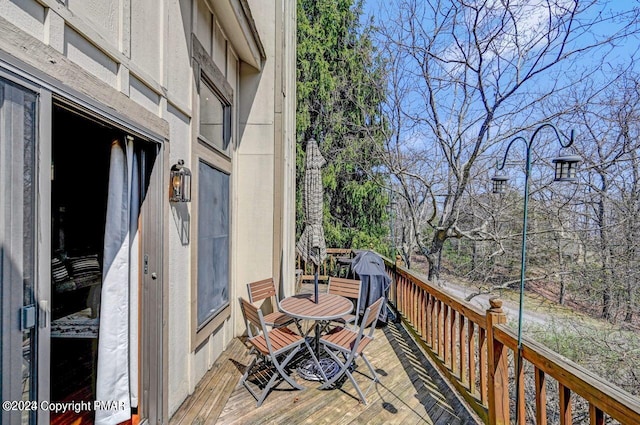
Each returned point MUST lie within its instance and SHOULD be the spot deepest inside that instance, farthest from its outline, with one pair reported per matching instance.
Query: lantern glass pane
(186, 186)
(566, 170)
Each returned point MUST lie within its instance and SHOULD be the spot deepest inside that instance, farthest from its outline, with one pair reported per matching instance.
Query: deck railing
(475, 350)
(306, 270)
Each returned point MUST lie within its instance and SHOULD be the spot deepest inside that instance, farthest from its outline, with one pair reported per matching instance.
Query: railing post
(498, 368)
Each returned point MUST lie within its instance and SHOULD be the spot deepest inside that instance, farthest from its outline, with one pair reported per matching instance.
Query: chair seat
(277, 318)
(348, 318)
(280, 338)
(344, 339)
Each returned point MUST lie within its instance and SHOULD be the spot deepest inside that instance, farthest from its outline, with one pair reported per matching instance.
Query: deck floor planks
(409, 392)
(212, 392)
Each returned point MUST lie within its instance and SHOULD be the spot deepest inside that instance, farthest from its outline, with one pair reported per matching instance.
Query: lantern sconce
(566, 168)
(180, 183)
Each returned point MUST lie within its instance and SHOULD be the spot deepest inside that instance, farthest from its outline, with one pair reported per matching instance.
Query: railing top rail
(468, 310)
(608, 397)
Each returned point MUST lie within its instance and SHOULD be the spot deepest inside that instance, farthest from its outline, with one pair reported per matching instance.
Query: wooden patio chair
(351, 344)
(273, 351)
(260, 291)
(348, 288)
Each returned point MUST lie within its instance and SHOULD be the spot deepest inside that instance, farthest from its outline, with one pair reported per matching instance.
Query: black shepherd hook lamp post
(565, 170)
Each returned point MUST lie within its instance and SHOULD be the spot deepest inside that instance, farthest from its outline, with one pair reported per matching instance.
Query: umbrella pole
(315, 275)
(315, 284)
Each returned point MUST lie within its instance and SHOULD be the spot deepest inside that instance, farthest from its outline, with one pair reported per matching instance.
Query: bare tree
(611, 122)
(462, 69)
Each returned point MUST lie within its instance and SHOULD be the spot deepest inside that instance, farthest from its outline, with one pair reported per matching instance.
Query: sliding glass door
(40, 136)
(23, 307)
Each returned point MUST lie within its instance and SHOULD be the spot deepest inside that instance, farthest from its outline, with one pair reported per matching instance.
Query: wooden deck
(410, 391)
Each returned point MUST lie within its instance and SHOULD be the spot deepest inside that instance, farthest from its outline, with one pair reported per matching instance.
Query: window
(213, 242)
(214, 118)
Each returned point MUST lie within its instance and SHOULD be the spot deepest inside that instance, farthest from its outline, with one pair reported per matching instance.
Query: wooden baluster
(452, 341)
(431, 332)
(596, 416)
(520, 408)
(482, 354)
(463, 349)
(409, 303)
(405, 297)
(437, 324)
(498, 368)
(423, 314)
(441, 328)
(414, 306)
(402, 296)
(541, 398)
(565, 405)
(447, 328)
(409, 307)
(471, 340)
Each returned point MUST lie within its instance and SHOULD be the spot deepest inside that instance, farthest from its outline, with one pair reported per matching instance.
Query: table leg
(317, 337)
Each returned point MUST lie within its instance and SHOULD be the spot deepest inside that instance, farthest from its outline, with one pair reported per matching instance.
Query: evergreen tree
(339, 92)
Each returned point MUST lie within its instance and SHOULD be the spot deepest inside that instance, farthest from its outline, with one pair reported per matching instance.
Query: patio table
(328, 307)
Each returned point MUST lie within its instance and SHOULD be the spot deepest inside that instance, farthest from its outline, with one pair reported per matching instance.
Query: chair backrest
(348, 288)
(261, 290)
(253, 317)
(262, 340)
(369, 319)
(371, 316)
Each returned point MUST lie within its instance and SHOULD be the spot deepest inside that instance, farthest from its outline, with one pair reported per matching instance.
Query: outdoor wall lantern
(565, 167)
(180, 183)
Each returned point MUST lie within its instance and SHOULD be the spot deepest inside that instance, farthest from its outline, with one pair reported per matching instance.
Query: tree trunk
(605, 269)
(630, 301)
(434, 256)
(563, 288)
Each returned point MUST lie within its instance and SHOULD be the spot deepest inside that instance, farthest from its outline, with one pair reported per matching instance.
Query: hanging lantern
(499, 183)
(180, 183)
(566, 168)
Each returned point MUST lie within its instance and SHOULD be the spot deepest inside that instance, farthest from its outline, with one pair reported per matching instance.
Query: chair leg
(279, 373)
(356, 386)
(315, 360)
(297, 323)
(343, 367)
(281, 365)
(371, 369)
(246, 375)
(344, 370)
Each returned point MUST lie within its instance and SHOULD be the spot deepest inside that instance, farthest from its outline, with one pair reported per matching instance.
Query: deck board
(410, 391)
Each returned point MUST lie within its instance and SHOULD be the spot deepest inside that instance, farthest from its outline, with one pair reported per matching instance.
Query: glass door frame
(40, 317)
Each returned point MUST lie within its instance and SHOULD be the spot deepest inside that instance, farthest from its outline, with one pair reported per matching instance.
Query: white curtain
(117, 375)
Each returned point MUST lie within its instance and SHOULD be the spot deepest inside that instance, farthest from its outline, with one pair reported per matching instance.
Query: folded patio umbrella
(311, 246)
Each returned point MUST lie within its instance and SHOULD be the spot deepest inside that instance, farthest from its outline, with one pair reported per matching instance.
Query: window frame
(226, 117)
